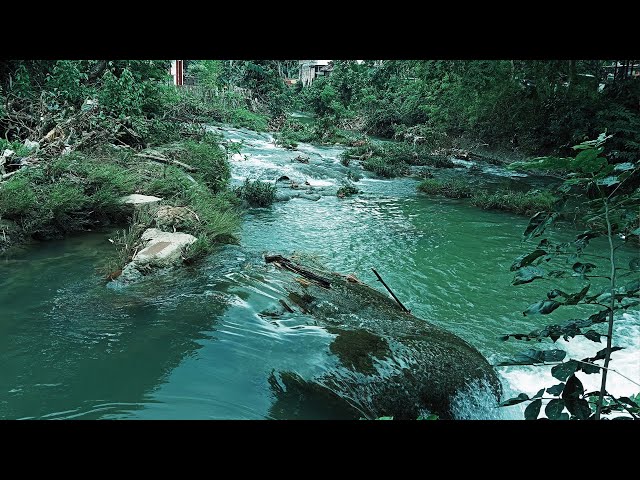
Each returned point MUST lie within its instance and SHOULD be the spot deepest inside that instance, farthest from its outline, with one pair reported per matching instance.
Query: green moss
(357, 349)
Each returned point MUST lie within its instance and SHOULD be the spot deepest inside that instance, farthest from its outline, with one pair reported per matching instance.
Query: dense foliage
(531, 105)
(610, 198)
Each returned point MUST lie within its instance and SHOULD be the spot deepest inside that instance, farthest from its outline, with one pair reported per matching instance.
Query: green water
(191, 343)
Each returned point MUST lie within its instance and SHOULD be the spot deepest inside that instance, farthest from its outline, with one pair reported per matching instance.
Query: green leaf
(628, 401)
(636, 231)
(554, 408)
(384, 418)
(600, 355)
(556, 389)
(579, 408)
(543, 307)
(531, 357)
(526, 259)
(588, 368)
(608, 181)
(527, 274)
(532, 410)
(538, 223)
(623, 167)
(523, 397)
(573, 388)
(564, 370)
(539, 394)
(593, 336)
(583, 268)
(575, 298)
(634, 264)
(632, 287)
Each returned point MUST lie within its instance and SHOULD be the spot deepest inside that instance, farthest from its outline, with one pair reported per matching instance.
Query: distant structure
(177, 72)
(312, 69)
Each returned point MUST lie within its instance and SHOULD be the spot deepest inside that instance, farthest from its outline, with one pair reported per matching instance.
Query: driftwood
(289, 265)
(8, 175)
(390, 291)
(286, 306)
(168, 161)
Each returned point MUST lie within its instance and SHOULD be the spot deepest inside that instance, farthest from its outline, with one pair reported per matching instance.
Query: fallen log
(8, 175)
(289, 265)
(168, 161)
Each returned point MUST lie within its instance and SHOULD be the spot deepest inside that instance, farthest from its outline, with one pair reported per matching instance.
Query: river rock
(160, 249)
(388, 362)
(175, 217)
(137, 199)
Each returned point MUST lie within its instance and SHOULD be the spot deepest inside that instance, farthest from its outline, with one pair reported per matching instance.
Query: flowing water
(195, 343)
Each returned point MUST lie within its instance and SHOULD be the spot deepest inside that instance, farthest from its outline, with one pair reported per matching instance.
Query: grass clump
(17, 198)
(523, 203)
(211, 162)
(449, 188)
(347, 190)
(257, 193)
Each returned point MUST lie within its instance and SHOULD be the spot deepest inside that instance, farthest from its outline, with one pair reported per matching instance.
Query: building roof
(313, 63)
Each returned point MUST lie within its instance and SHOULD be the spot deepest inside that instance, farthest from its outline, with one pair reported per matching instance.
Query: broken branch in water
(289, 265)
(389, 290)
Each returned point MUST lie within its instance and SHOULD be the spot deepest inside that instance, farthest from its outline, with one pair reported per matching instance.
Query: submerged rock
(389, 363)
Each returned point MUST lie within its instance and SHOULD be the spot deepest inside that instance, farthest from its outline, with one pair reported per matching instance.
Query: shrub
(16, 197)
(257, 193)
(211, 162)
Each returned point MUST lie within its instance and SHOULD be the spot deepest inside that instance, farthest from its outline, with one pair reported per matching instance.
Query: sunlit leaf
(623, 167)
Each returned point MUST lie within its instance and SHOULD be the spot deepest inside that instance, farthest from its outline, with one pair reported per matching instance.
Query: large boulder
(388, 362)
(160, 250)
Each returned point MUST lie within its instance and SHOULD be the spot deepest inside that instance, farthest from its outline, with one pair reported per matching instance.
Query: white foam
(529, 379)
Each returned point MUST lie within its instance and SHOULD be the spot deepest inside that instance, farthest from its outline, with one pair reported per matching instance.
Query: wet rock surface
(389, 363)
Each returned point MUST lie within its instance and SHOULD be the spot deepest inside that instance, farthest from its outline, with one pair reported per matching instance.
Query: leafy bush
(257, 193)
(16, 197)
(211, 162)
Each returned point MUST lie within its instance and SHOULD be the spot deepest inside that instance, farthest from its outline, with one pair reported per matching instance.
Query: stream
(194, 343)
